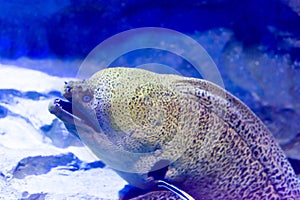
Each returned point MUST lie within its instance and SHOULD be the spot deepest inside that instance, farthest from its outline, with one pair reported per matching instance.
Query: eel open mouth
(72, 118)
(65, 105)
(59, 106)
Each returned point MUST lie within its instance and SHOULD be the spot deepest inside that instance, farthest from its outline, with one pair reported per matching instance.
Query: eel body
(208, 142)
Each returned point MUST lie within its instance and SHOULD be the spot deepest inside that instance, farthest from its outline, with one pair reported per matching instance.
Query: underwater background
(255, 45)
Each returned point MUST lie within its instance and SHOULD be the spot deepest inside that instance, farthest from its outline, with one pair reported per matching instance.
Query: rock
(7, 95)
(129, 192)
(59, 136)
(3, 111)
(36, 196)
(33, 95)
(43, 164)
(2, 175)
(91, 165)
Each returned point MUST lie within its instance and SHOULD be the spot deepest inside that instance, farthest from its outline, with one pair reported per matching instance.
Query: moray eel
(210, 144)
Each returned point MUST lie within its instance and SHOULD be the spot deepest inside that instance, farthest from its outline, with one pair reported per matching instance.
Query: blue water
(69, 28)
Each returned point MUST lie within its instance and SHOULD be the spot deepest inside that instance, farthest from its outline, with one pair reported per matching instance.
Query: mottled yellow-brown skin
(217, 148)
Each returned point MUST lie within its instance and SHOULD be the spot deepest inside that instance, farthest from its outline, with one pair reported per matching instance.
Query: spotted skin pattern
(217, 147)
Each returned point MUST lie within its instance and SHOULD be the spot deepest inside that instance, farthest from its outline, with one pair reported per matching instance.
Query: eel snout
(68, 89)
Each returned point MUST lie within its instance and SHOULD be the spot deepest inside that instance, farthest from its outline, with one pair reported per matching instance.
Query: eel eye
(86, 98)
